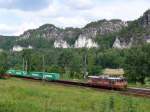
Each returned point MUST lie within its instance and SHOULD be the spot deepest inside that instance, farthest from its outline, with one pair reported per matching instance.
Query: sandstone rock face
(77, 37)
(147, 39)
(47, 31)
(145, 19)
(121, 45)
(85, 42)
(26, 35)
(61, 44)
(102, 27)
(18, 48)
(135, 37)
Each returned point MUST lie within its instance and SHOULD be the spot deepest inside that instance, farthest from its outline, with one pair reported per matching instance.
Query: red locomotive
(108, 82)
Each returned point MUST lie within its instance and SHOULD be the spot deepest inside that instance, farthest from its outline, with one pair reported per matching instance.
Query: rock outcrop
(75, 37)
(18, 48)
(137, 32)
(121, 45)
(145, 19)
(61, 44)
(85, 42)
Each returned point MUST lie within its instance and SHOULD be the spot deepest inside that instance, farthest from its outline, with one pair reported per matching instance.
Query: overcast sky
(16, 16)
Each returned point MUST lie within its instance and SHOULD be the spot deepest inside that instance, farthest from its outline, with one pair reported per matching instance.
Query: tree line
(78, 63)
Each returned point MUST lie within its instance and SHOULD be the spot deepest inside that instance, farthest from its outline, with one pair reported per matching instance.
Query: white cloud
(76, 13)
(24, 27)
(67, 22)
(81, 4)
(26, 5)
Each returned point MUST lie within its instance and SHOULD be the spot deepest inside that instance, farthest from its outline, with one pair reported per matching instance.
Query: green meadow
(18, 95)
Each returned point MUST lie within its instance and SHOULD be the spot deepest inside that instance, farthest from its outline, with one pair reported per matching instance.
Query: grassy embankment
(25, 96)
(138, 85)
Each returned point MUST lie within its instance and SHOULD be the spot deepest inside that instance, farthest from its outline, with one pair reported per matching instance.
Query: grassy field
(25, 96)
(139, 85)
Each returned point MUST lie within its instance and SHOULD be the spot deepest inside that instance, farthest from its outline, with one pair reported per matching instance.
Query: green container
(45, 75)
(20, 73)
(51, 76)
(38, 75)
(17, 72)
(11, 72)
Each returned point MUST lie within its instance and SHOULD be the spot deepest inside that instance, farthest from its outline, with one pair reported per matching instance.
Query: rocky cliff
(114, 33)
(137, 32)
(74, 37)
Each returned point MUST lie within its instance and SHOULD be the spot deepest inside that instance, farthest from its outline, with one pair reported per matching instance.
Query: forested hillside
(7, 42)
(103, 33)
(72, 63)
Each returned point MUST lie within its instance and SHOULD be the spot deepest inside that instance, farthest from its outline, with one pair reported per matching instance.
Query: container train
(118, 83)
(35, 75)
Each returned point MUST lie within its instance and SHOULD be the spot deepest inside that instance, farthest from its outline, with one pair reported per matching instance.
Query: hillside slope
(137, 33)
(72, 37)
(103, 33)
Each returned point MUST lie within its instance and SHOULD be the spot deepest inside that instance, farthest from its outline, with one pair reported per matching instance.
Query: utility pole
(23, 64)
(43, 59)
(85, 61)
(26, 62)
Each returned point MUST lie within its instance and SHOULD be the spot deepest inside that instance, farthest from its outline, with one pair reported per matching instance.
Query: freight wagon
(36, 75)
(17, 72)
(45, 75)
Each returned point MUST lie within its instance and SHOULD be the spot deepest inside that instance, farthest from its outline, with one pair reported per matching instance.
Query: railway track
(139, 92)
(129, 91)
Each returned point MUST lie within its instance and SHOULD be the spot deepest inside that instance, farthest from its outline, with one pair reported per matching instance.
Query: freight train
(118, 83)
(35, 75)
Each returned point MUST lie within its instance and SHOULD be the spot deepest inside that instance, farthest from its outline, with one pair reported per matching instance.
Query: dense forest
(73, 63)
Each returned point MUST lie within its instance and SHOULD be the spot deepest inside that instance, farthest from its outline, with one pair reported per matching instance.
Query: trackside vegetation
(17, 95)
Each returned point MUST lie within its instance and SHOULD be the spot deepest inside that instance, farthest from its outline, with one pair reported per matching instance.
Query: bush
(2, 71)
(55, 69)
(95, 70)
